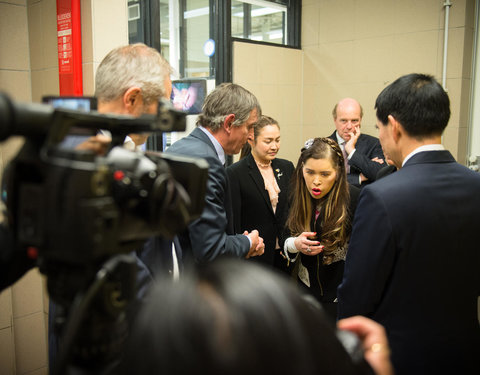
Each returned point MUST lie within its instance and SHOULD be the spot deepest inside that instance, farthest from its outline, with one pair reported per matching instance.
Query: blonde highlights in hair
(333, 219)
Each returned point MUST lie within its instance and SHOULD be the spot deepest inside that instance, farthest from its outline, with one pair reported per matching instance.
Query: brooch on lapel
(279, 174)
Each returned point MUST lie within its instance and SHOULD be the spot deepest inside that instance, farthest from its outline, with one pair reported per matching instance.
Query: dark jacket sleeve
(207, 237)
(235, 193)
(208, 234)
(361, 160)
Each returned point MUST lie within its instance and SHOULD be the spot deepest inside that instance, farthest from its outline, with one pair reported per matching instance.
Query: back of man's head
(418, 102)
(135, 65)
(226, 99)
(233, 317)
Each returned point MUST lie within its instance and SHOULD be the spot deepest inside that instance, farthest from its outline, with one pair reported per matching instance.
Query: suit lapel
(257, 178)
(282, 182)
(199, 134)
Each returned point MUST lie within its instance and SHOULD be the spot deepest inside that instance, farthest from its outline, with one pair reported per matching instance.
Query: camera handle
(115, 299)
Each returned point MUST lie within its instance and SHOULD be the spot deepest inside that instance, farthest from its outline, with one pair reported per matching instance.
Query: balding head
(347, 114)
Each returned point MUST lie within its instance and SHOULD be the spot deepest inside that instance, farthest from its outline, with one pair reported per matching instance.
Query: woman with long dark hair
(319, 220)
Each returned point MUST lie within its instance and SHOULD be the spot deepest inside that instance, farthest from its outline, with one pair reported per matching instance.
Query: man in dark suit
(362, 153)
(228, 116)
(413, 261)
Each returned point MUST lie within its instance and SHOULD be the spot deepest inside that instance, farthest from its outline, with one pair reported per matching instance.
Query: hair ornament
(308, 143)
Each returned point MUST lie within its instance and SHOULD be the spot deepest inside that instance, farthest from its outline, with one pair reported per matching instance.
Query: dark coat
(414, 264)
(211, 235)
(366, 149)
(252, 208)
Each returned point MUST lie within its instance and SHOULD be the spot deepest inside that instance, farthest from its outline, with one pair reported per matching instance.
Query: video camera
(76, 214)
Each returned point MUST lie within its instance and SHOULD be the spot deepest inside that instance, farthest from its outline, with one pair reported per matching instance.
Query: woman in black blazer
(259, 185)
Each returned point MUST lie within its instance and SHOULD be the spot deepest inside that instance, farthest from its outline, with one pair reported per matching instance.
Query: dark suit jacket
(154, 260)
(366, 149)
(386, 171)
(414, 264)
(251, 203)
(212, 234)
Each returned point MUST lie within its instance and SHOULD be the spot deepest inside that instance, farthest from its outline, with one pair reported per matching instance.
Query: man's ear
(132, 99)
(397, 129)
(228, 122)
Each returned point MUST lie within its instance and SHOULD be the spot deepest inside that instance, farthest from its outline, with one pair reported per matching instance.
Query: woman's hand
(307, 246)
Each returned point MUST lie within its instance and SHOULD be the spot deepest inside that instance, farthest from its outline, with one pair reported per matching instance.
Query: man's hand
(352, 142)
(98, 144)
(374, 342)
(258, 247)
(378, 160)
(363, 178)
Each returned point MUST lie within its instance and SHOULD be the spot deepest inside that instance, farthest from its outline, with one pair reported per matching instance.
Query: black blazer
(366, 149)
(212, 234)
(251, 203)
(414, 264)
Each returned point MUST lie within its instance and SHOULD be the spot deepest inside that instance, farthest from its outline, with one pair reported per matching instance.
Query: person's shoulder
(398, 184)
(237, 170)
(284, 163)
(467, 173)
(333, 136)
(369, 138)
(192, 146)
(240, 164)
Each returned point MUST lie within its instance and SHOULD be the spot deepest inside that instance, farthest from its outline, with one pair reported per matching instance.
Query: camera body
(80, 216)
(77, 207)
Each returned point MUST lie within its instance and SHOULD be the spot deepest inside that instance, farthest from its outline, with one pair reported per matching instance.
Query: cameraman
(130, 80)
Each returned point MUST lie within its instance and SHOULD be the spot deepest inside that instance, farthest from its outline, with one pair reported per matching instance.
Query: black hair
(418, 102)
(233, 317)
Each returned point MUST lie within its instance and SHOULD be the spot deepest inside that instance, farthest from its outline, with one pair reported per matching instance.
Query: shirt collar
(218, 147)
(340, 140)
(433, 147)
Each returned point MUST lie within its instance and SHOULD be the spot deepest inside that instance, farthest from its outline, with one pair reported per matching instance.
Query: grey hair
(135, 65)
(228, 98)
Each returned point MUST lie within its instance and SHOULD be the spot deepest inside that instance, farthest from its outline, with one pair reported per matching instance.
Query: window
(196, 31)
(180, 28)
(262, 21)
